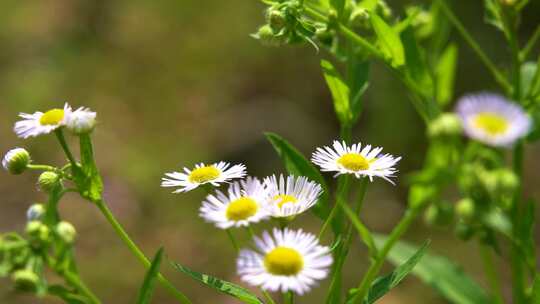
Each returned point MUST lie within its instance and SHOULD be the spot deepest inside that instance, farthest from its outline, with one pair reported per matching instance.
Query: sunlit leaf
(225, 287)
(389, 41)
(339, 90)
(445, 74)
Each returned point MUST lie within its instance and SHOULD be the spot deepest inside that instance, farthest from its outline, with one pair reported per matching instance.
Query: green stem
(65, 147)
(395, 235)
(289, 297)
(42, 167)
(491, 272)
(503, 82)
(530, 44)
(233, 240)
(74, 281)
(137, 252)
(518, 282)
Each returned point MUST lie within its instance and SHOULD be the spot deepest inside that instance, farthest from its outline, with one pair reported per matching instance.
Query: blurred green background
(176, 82)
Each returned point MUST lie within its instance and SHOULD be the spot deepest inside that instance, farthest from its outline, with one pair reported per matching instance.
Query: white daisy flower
(292, 197)
(242, 205)
(203, 174)
(492, 119)
(287, 261)
(356, 160)
(81, 121)
(39, 123)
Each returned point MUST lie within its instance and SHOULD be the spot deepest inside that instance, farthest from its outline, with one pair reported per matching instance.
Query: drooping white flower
(39, 123)
(288, 260)
(203, 174)
(16, 160)
(292, 196)
(492, 119)
(81, 121)
(366, 161)
(241, 206)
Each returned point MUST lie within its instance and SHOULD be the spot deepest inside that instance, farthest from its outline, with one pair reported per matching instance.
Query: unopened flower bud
(16, 160)
(35, 212)
(447, 124)
(439, 214)
(465, 208)
(276, 19)
(508, 2)
(66, 232)
(507, 181)
(384, 10)
(266, 35)
(48, 181)
(81, 121)
(360, 18)
(37, 232)
(25, 280)
(324, 36)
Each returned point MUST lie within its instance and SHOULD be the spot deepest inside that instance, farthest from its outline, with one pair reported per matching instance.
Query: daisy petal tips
(287, 260)
(39, 123)
(214, 174)
(366, 161)
(291, 196)
(241, 206)
(492, 119)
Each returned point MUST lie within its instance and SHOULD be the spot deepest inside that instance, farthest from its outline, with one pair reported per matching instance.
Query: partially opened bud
(81, 121)
(276, 19)
(48, 181)
(66, 232)
(25, 280)
(35, 212)
(16, 160)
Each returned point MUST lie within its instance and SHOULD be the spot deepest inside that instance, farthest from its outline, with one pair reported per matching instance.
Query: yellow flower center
(283, 199)
(52, 117)
(241, 209)
(283, 261)
(354, 162)
(204, 174)
(492, 123)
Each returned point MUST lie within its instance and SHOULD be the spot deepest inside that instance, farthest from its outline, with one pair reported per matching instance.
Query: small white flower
(39, 123)
(81, 121)
(493, 120)
(287, 261)
(356, 160)
(203, 174)
(291, 197)
(242, 206)
(16, 160)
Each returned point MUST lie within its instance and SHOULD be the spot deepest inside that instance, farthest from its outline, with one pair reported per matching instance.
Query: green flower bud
(384, 10)
(420, 195)
(360, 18)
(48, 181)
(66, 232)
(324, 35)
(37, 232)
(465, 208)
(464, 231)
(439, 214)
(267, 36)
(25, 280)
(35, 212)
(16, 160)
(507, 181)
(276, 19)
(508, 2)
(447, 124)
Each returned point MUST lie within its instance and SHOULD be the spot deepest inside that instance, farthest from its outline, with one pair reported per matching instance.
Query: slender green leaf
(493, 14)
(297, 164)
(149, 283)
(384, 284)
(87, 177)
(67, 295)
(225, 287)
(389, 41)
(359, 82)
(340, 92)
(441, 273)
(417, 68)
(445, 74)
(339, 6)
(528, 72)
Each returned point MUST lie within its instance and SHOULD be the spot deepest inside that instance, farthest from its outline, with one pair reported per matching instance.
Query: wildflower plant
(470, 144)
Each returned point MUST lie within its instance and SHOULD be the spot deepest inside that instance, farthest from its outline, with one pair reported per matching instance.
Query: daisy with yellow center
(241, 206)
(493, 120)
(291, 196)
(287, 260)
(356, 160)
(214, 174)
(39, 123)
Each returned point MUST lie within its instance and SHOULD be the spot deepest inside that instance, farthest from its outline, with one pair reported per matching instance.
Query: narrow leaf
(441, 273)
(67, 295)
(297, 164)
(340, 92)
(149, 283)
(389, 41)
(384, 284)
(445, 74)
(225, 287)
(339, 6)
(417, 68)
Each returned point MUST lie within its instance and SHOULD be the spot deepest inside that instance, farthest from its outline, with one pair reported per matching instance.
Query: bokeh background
(176, 82)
